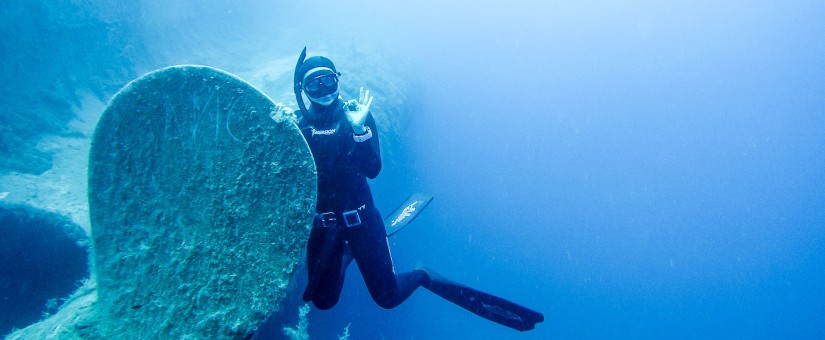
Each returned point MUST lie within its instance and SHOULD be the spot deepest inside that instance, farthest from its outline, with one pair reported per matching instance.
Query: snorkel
(297, 82)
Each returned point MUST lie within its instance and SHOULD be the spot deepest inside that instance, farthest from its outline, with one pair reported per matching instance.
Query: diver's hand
(356, 111)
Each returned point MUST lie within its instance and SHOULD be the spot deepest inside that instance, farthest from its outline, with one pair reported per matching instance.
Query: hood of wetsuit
(320, 80)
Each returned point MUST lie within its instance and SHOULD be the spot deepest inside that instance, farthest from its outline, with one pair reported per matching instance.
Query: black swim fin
(406, 212)
(487, 306)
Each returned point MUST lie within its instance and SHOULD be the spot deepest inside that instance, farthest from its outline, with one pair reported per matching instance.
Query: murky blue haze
(647, 169)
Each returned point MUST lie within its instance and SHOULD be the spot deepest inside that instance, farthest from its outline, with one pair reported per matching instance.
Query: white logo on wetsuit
(404, 214)
(323, 132)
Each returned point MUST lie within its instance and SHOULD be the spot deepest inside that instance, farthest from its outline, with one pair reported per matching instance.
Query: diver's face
(325, 100)
(322, 89)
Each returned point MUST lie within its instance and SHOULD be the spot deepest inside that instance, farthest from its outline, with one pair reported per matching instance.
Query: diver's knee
(386, 302)
(324, 304)
(321, 306)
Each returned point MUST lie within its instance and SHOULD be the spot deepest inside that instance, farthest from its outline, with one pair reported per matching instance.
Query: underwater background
(644, 169)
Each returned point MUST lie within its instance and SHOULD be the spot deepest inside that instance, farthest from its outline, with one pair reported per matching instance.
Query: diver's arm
(367, 153)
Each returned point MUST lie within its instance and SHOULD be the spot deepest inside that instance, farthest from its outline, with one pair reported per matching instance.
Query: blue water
(640, 170)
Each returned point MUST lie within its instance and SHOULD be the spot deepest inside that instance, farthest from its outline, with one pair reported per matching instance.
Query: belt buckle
(327, 219)
(351, 218)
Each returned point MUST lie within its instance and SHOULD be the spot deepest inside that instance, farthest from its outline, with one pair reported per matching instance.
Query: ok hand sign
(356, 111)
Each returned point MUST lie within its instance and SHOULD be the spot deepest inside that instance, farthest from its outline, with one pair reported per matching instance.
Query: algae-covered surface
(200, 205)
(200, 198)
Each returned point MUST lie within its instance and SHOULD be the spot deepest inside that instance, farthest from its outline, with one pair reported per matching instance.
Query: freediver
(343, 138)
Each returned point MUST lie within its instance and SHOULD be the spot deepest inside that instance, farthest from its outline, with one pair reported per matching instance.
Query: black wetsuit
(343, 168)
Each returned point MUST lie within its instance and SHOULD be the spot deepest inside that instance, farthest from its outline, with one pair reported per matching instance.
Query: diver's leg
(368, 243)
(324, 259)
